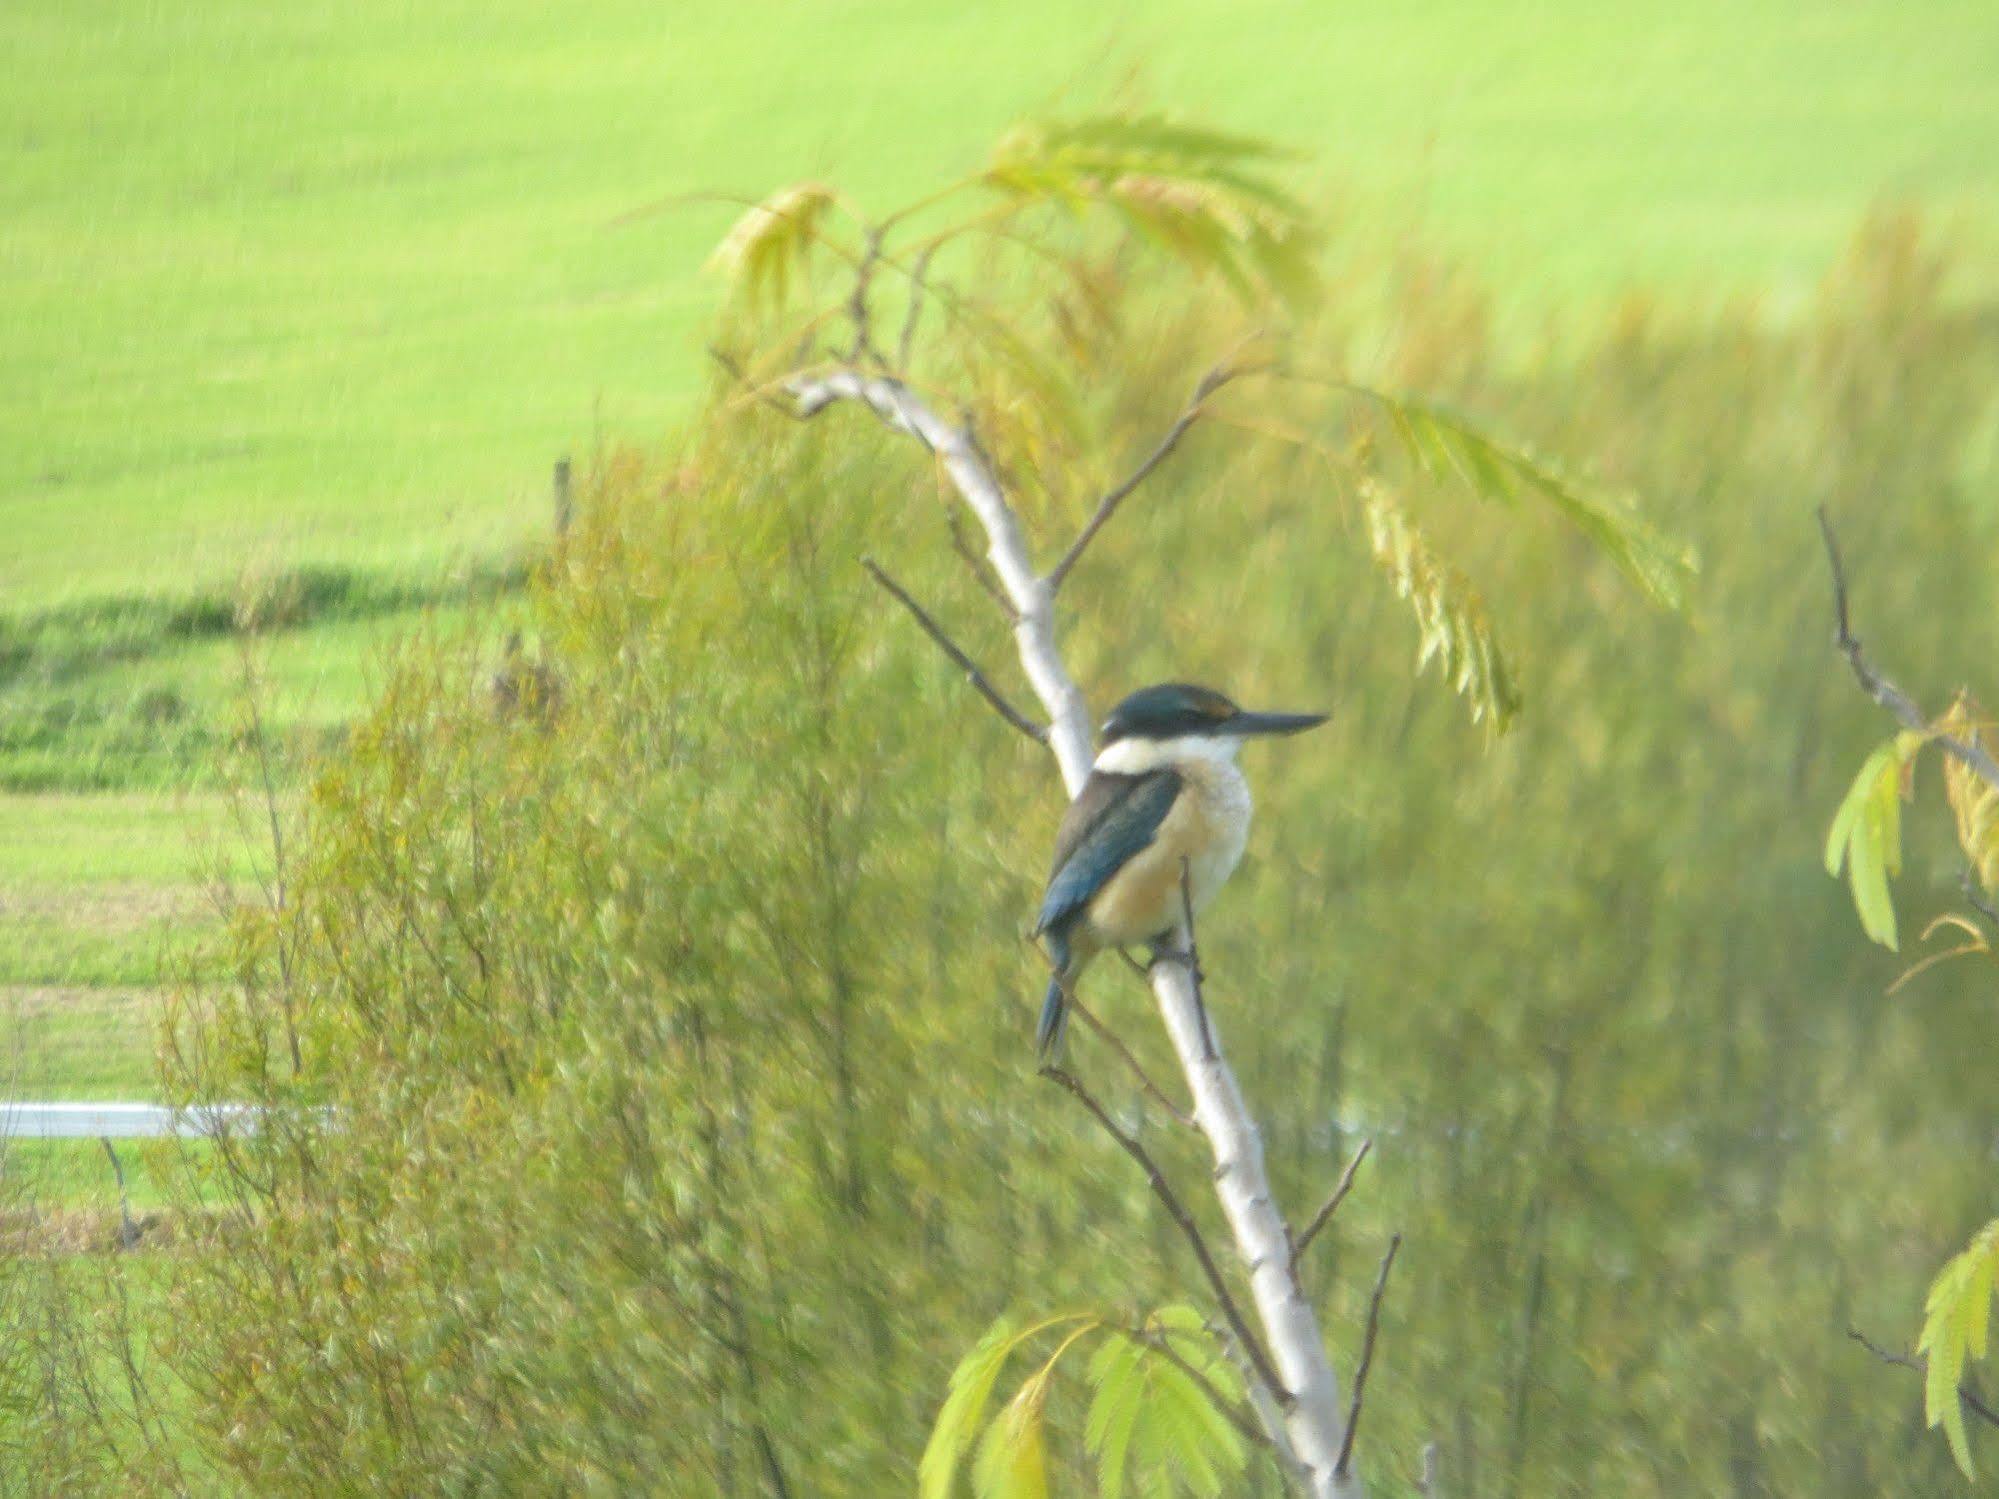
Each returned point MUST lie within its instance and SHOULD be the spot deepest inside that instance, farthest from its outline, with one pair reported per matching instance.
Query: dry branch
(1116, 1043)
(959, 659)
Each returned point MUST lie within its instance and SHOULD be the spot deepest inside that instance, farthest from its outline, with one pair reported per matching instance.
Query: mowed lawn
(337, 281)
(332, 285)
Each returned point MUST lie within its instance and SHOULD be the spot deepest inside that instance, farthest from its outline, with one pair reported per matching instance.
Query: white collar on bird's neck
(1137, 757)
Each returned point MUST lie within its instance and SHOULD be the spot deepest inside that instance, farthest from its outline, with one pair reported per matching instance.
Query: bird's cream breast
(1206, 828)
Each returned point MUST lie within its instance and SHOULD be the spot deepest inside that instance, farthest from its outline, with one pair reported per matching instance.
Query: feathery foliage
(1153, 1423)
(771, 245)
(1449, 444)
(1451, 621)
(1202, 196)
(1956, 1317)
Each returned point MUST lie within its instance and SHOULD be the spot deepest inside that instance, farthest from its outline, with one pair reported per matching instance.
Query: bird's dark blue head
(1181, 710)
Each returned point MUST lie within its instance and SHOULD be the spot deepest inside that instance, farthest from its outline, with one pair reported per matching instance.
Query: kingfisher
(1163, 802)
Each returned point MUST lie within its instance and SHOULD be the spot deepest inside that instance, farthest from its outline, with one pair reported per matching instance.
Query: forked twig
(963, 662)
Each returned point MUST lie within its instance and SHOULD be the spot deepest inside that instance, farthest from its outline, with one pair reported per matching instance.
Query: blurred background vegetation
(680, 1025)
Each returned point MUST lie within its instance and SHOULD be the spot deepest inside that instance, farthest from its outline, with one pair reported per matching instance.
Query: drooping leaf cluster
(1165, 1413)
(1955, 1321)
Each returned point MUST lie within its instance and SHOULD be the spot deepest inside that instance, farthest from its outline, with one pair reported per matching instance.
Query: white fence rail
(113, 1121)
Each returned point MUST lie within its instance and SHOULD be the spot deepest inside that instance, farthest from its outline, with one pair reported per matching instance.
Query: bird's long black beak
(1275, 723)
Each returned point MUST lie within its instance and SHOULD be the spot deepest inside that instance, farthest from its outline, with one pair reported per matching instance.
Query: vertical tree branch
(1304, 1383)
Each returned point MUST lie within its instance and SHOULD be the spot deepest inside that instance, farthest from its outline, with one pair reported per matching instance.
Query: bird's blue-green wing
(1111, 819)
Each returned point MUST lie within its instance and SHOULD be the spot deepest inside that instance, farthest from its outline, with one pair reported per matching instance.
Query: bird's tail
(1054, 1020)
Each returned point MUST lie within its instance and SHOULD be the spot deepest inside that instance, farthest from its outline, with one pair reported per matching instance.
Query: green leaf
(1956, 1320)
(1866, 836)
(1120, 1386)
(1443, 442)
(964, 1408)
(1200, 1439)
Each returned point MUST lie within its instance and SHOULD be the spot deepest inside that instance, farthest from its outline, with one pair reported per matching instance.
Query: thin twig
(857, 300)
(1211, 382)
(1366, 1356)
(959, 659)
(764, 395)
(1260, 1400)
(1116, 1044)
(1194, 957)
(918, 269)
(1321, 1218)
(1902, 1361)
(1163, 1189)
(1883, 691)
(980, 567)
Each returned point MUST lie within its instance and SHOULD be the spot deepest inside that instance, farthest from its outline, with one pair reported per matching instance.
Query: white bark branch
(1313, 1422)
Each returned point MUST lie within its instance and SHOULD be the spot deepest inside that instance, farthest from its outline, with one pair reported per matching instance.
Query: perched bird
(1164, 794)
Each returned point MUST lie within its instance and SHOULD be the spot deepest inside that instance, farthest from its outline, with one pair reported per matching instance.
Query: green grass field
(337, 282)
(330, 286)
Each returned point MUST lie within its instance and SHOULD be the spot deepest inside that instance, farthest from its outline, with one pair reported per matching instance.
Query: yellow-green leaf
(1444, 442)
(1866, 836)
(1956, 1320)
(964, 1408)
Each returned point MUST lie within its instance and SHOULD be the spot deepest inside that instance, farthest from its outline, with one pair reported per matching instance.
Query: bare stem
(1366, 1354)
(919, 268)
(1331, 1205)
(963, 662)
(1194, 955)
(1118, 493)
